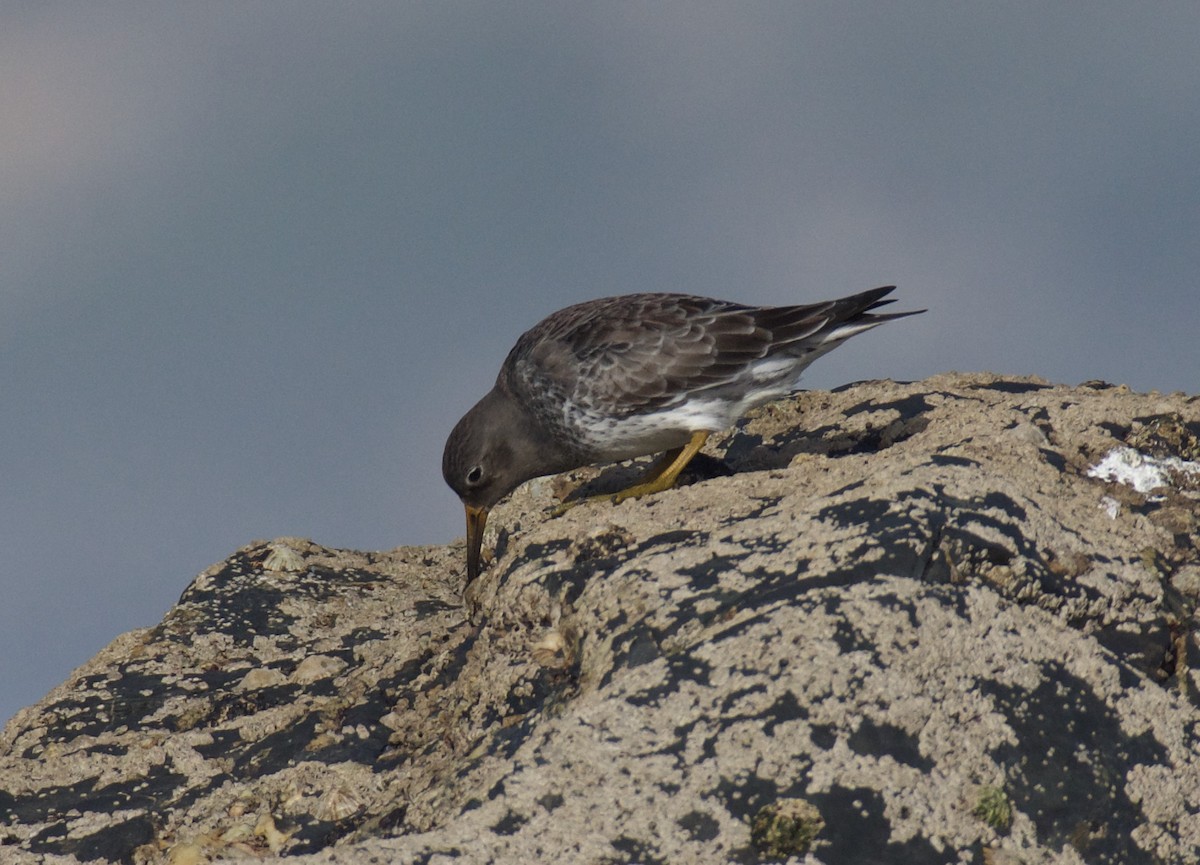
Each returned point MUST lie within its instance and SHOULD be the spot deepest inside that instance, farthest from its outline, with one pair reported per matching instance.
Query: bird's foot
(633, 492)
(562, 507)
(661, 476)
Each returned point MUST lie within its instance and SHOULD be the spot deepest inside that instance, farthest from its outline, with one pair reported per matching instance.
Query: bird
(620, 377)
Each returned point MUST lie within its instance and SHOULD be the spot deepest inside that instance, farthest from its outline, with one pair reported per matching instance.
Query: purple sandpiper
(621, 377)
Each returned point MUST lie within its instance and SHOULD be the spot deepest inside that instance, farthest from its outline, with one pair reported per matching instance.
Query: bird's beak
(476, 520)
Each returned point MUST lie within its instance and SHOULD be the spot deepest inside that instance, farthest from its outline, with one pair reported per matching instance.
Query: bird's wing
(640, 352)
(643, 352)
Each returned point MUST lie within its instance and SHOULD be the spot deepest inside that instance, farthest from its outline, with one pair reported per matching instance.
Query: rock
(907, 626)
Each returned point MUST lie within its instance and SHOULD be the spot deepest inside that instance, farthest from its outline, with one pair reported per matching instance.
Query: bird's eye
(474, 475)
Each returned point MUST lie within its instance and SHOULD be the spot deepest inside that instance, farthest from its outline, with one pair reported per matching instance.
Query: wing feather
(639, 353)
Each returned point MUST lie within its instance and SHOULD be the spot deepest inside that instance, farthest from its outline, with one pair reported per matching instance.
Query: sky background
(257, 259)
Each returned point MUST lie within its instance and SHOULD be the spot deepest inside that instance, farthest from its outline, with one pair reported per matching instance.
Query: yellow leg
(665, 471)
(661, 475)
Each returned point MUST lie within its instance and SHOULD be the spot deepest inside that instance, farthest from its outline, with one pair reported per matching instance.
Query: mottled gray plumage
(620, 377)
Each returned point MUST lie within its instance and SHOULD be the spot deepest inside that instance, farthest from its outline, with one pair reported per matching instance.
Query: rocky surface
(908, 623)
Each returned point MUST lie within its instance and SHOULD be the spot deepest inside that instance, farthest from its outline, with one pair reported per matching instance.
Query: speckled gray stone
(903, 598)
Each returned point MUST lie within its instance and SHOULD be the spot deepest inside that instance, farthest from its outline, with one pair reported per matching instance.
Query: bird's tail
(821, 327)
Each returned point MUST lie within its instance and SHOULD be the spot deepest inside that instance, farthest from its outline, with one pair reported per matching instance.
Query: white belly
(624, 438)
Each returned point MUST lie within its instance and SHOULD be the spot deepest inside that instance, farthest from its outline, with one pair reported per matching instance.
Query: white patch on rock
(1144, 473)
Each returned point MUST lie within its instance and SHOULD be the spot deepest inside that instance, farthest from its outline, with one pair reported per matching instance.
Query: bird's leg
(665, 470)
(661, 475)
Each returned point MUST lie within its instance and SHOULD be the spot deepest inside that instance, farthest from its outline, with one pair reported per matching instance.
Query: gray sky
(256, 259)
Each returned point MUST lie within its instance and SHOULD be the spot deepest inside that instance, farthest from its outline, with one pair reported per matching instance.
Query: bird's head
(488, 455)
